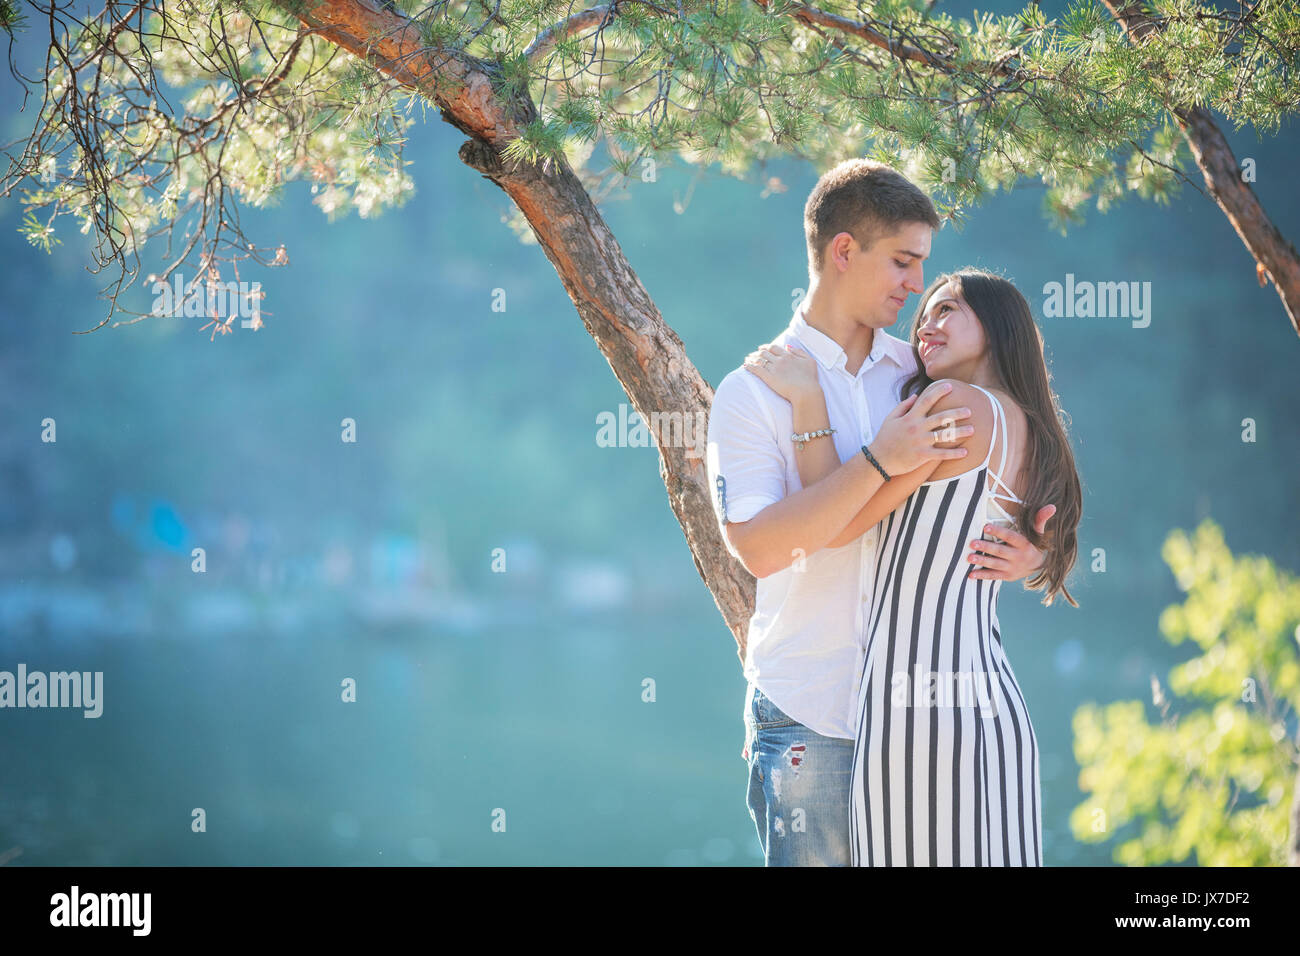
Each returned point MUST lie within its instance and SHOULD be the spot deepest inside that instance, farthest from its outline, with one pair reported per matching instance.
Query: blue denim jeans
(798, 787)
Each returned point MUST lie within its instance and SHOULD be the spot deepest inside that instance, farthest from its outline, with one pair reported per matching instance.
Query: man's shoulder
(742, 379)
(738, 388)
(741, 386)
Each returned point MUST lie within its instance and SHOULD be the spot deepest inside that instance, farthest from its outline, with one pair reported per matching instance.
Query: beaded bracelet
(872, 458)
(801, 440)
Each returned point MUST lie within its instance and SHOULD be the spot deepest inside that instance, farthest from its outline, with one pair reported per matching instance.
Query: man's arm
(973, 436)
(801, 523)
(897, 491)
(805, 521)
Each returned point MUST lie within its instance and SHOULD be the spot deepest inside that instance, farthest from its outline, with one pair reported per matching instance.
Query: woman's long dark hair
(1017, 350)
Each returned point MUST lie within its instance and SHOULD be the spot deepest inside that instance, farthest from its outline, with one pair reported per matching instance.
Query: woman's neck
(984, 375)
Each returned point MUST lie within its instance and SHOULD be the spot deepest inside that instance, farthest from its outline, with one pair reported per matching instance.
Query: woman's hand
(790, 372)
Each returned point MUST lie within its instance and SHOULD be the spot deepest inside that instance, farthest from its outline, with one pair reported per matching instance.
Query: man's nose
(915, 282)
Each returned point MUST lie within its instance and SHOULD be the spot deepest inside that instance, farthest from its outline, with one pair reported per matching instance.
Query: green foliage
(39, 234)
(11, 17)
(539, 141)
(981, 104)
(253, 115)
(440, 32)
(1213, 781)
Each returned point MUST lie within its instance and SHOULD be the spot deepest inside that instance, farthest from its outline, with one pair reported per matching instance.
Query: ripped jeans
(798, 787)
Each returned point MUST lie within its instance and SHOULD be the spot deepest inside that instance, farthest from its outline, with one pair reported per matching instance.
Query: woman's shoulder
(976, 397)
(1014, 413)
(965, 395)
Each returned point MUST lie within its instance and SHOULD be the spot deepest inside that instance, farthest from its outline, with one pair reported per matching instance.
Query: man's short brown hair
(866, 199)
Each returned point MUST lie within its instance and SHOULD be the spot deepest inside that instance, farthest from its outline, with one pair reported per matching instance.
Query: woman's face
(951, 339)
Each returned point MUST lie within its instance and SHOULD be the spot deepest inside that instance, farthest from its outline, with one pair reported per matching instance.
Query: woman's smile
(928, 349)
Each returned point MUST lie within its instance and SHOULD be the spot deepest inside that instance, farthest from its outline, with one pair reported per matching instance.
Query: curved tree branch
(1274, 255)
(546, 40)
(896, 48)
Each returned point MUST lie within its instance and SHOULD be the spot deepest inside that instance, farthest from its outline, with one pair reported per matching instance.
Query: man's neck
(824, 315)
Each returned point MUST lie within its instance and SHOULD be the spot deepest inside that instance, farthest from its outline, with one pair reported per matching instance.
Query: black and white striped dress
(945, 769)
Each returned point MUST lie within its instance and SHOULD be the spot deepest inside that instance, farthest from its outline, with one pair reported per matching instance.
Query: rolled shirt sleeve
(746, 467)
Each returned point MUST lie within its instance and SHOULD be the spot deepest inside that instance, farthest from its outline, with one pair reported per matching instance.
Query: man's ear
(844, 239)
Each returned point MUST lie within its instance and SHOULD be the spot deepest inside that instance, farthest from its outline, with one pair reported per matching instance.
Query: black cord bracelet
(871, 458)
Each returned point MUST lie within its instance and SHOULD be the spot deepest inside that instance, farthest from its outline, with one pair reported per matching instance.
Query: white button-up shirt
(806, 640)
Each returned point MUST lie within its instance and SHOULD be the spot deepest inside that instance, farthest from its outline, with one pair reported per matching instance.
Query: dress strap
(1000, 420)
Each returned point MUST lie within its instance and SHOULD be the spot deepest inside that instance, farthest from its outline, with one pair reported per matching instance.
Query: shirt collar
(829, 353)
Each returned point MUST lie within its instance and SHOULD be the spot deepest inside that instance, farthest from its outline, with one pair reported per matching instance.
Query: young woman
(945, 769)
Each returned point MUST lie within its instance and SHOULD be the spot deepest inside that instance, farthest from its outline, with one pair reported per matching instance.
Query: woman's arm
(817, 458)
(806, 519)
(958, 403)
(792, 374)
(890, 495)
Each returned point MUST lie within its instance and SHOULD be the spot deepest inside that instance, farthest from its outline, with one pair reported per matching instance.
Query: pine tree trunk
(645, 354)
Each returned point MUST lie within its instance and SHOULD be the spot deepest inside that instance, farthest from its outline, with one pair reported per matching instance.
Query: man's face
(883, 275)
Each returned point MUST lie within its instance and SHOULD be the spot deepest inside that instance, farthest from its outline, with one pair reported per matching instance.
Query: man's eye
(901, 265)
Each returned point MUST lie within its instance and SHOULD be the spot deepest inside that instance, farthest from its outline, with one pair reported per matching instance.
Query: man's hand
(1010, 561)
(909, 437)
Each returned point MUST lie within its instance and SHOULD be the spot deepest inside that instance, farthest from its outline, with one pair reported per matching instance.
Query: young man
(868, 230)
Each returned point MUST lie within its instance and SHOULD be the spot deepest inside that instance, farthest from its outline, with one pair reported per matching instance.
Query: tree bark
(1274, 255)
(645, 354)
